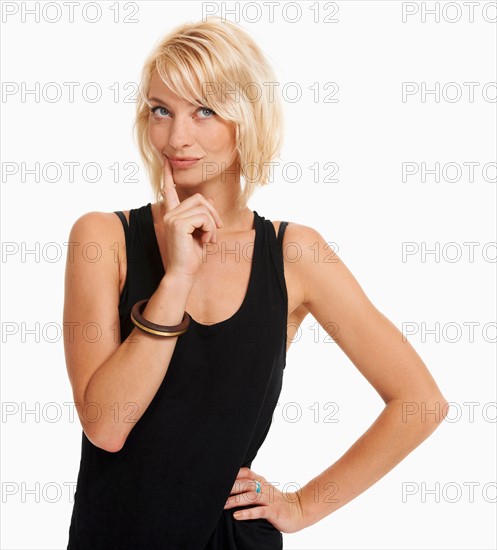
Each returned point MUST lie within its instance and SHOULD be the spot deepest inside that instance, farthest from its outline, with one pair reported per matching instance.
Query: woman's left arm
(414, 405)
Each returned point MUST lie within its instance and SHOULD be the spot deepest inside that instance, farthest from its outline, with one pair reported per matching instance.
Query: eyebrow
(156, 99)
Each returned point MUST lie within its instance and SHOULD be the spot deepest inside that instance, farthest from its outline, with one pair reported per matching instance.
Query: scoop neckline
(256, 227)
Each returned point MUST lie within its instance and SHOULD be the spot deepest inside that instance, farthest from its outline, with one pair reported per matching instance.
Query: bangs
(180, 77)
(193, 73)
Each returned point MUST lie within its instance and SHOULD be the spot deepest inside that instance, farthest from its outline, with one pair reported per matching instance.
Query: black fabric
(166, 488)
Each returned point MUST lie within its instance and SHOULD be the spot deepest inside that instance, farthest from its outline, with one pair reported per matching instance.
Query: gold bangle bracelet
(153, 328)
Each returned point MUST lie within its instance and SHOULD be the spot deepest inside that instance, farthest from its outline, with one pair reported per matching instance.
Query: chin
(187, 178)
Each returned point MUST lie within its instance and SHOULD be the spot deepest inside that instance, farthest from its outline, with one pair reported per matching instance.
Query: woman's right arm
(113, 383)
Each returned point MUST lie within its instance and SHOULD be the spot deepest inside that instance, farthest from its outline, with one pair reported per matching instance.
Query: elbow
(112, 443)
(427, 411)
(112, 446)
(433, 411)
(101, 433)
(436, 411)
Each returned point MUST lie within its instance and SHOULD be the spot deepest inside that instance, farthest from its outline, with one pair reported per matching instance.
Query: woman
(191, 300)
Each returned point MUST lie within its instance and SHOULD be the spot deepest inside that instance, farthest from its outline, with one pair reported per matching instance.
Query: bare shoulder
(99, 235)
(94, 218)
(320, 268)
(301, 245)
(102, 227)
(298, 233)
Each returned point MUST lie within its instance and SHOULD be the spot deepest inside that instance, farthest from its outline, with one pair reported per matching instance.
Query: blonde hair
(218, 63)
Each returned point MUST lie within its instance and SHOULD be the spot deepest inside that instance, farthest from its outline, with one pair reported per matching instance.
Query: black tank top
(166, 488)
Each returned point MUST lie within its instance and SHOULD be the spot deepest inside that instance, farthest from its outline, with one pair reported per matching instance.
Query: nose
(181, 132)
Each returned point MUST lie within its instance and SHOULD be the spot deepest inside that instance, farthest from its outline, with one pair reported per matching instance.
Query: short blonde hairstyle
(216, 64)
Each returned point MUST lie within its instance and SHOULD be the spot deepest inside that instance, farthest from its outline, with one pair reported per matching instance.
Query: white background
(368, 213)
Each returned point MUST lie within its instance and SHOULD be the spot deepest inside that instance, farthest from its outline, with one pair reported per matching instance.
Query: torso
(211, 302)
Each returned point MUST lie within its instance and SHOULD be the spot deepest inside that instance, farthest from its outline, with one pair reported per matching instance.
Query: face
(178, 129)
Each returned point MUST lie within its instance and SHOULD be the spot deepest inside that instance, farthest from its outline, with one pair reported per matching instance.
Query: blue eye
(154, 109)
(210, 111)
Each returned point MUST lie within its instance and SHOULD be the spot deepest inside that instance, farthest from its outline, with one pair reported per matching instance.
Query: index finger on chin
(168, 188)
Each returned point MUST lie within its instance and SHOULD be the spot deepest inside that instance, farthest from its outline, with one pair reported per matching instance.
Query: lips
(184, 158)
(183, 162)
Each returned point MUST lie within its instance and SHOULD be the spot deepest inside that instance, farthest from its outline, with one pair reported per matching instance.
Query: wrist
(180, 283)
(310, 511)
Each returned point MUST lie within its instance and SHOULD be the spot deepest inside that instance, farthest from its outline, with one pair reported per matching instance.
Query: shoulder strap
(281, 231)
(123, 219)
(278, 258)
